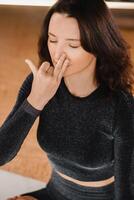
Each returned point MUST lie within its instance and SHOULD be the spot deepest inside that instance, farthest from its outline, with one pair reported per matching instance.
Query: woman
(82, 92)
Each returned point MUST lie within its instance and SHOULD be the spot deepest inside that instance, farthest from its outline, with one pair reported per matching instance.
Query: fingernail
(67, 63)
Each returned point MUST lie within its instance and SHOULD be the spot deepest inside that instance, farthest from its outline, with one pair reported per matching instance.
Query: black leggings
(59, 188)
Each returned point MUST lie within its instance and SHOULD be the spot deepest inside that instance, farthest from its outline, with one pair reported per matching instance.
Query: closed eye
(69, 45)
(74, 46)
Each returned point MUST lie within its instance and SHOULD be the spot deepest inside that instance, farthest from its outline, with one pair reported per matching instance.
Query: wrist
(36, 103)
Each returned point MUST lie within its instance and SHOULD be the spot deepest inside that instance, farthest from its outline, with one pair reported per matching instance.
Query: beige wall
(19, 31)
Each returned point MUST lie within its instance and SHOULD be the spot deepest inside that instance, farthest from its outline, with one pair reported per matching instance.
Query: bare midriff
(91, 183)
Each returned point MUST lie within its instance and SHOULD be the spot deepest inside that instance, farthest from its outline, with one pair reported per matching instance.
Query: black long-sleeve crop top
(87, 138)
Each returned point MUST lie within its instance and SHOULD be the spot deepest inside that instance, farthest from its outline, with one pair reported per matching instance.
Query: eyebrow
(70, 39)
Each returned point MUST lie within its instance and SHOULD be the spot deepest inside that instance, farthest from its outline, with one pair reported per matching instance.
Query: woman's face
(64, 37)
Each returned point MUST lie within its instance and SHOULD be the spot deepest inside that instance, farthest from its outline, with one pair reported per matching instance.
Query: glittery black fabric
(87, 138)
(59, 188)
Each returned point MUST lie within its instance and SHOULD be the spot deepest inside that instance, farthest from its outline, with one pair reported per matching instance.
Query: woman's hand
(46, 81)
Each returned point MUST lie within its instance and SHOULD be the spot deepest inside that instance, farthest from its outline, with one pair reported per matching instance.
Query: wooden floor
(19, 31)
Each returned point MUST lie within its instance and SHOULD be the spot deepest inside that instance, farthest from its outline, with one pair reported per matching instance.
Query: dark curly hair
(100, 36)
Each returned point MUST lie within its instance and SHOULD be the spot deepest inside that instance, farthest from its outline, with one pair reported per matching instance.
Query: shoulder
(26, 85)
(28, 79)
(125, 99)
(124, 115)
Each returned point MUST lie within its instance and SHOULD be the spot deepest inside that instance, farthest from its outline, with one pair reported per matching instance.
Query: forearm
(14, 131)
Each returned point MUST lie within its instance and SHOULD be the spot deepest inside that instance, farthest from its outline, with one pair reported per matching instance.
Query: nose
(59, 51)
